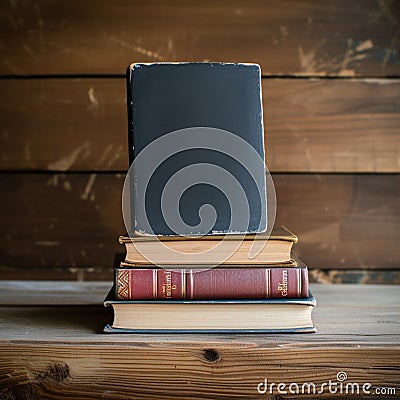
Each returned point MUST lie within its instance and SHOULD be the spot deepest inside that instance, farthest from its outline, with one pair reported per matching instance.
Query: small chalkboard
(196, 132)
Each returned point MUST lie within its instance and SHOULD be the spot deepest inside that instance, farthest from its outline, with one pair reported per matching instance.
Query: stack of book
(197, 178)
(265, 293)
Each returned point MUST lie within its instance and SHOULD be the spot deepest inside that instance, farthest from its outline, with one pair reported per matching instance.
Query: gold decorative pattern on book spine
(123, 287)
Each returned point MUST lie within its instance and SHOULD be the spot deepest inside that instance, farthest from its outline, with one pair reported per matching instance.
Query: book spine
(229, 283)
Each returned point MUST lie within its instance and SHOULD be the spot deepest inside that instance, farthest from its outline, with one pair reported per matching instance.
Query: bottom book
(211, 316)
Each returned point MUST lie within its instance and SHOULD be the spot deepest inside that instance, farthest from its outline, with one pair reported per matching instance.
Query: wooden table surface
(51, 346)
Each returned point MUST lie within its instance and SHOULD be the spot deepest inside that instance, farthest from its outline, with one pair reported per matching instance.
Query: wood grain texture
(359, 276)
(62, 354)
(79, 274)
(332, 125)
(74, 220)
(310, 125)
(69, 292)
(285, 37)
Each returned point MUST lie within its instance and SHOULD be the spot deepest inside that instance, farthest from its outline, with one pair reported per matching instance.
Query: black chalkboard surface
(196, 141)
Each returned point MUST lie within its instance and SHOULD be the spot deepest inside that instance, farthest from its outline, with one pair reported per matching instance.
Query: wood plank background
(333, 37)
(331, 93)
(311, 125)
(345, 221)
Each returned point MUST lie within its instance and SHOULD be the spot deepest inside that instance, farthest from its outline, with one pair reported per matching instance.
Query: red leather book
(216, 283)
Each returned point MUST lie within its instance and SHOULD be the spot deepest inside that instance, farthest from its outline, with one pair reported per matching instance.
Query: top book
(197, 147)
